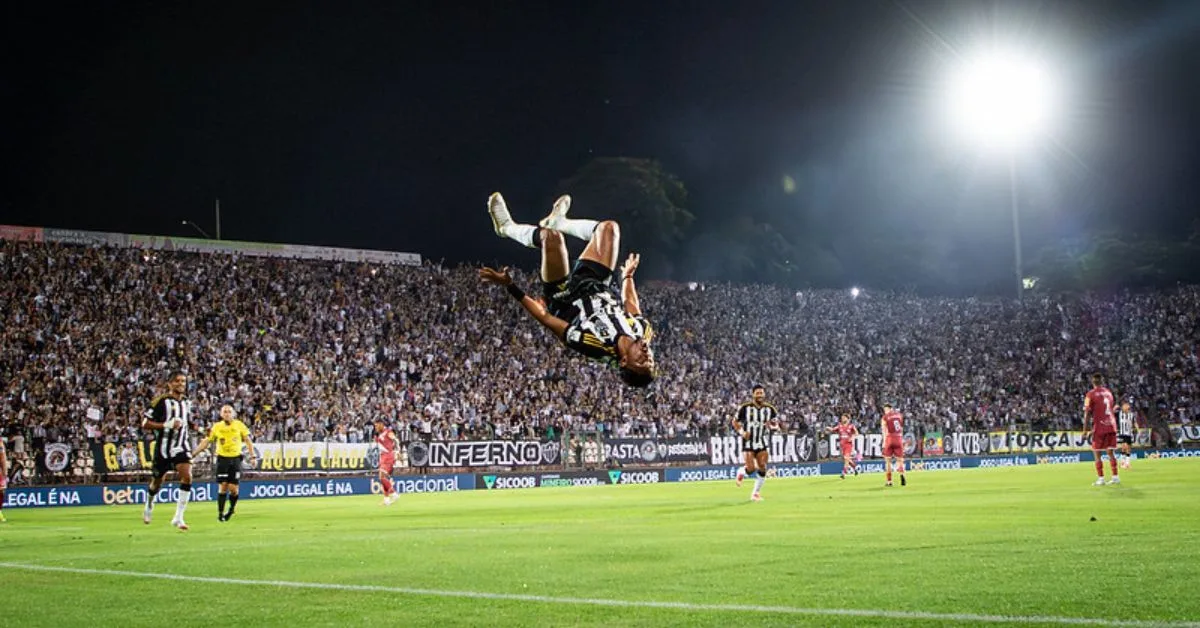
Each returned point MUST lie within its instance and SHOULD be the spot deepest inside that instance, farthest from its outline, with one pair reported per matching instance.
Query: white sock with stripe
(758, 482)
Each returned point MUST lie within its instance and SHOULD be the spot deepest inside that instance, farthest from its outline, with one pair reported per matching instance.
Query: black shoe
(843, 476)
(903, 482)
(229, 515)
(220, 516)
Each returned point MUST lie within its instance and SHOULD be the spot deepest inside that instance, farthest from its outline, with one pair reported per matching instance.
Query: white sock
(581, 228)
(181, 505)
(758, 482)
(520, 232)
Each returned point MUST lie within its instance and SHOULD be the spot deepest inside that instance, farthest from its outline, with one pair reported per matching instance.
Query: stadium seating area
(312, 350)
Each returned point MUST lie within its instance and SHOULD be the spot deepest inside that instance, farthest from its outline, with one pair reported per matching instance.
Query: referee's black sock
(232, 501)
(221, 504)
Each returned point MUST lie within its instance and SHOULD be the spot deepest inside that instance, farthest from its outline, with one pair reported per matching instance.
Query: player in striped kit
(1126, 429)
(170, 417)
(755, 421)
(578, 304)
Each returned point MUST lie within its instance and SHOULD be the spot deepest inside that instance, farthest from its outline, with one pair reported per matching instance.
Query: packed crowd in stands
(316, 350)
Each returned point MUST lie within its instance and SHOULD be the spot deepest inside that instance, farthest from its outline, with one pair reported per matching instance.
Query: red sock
(387, 486)
(1099, 466)
(1112, 462)
(889, 476)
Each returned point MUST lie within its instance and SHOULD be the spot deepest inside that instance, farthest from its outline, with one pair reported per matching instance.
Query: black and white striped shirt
(171, 442)
(758, 421)
(1126, 422)
(601, 320)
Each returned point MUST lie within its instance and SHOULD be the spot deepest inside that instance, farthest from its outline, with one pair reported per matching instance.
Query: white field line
(681, 606)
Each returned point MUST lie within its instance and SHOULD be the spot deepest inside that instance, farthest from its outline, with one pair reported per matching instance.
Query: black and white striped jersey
(1126, 423)
(757, 420)
(601, 320)
(171, 442)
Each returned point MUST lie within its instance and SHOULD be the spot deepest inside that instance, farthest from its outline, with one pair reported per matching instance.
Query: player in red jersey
(3, 476)
(387, 441)
(892, 427)
(1098, 407)
(846, 433)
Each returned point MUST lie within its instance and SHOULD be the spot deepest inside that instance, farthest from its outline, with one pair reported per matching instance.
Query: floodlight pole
(1012, 187)
(218, 212)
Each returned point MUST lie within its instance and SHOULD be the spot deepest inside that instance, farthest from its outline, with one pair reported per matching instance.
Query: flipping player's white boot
(557, 213)
(498, 209)
(1098, 482)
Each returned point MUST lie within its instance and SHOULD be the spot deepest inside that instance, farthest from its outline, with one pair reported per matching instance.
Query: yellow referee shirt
(229, 437)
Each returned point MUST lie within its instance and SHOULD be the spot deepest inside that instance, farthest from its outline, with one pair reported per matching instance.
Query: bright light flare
(854, 292)
(1001, 99)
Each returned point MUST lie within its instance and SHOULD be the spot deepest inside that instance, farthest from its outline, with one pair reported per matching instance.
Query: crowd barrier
(124, 494)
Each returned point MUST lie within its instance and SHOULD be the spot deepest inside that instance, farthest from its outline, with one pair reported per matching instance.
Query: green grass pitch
(1014, 545)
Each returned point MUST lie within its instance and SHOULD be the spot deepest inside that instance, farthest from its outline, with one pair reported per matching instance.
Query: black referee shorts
(1125, 439)
(229, 469)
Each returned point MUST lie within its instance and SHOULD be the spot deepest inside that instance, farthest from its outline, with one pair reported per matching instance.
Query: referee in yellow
(230, 434)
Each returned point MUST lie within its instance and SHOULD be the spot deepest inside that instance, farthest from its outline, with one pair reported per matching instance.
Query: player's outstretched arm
(628, 291)
(535, 308)
(201, 447)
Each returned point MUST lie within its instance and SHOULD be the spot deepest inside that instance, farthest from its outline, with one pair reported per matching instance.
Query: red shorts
(386, 464)
(1107, 440)
(893, 447)
(847, 449)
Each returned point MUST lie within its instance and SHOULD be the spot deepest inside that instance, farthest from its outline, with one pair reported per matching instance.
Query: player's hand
(630, 265)
(498, 277)
(745, 435)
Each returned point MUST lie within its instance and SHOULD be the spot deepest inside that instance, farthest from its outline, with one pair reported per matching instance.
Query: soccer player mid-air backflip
(579, 306)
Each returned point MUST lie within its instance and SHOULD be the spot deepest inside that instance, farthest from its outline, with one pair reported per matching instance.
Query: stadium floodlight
(1001, 99)
(854, 292)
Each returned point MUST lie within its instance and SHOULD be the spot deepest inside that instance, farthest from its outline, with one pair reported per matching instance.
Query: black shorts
(753, 450)
(586, 279)
(229, 469)
(162, 466)
(1125, 439)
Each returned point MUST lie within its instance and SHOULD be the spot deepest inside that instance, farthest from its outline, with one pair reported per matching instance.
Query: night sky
(386, 125)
